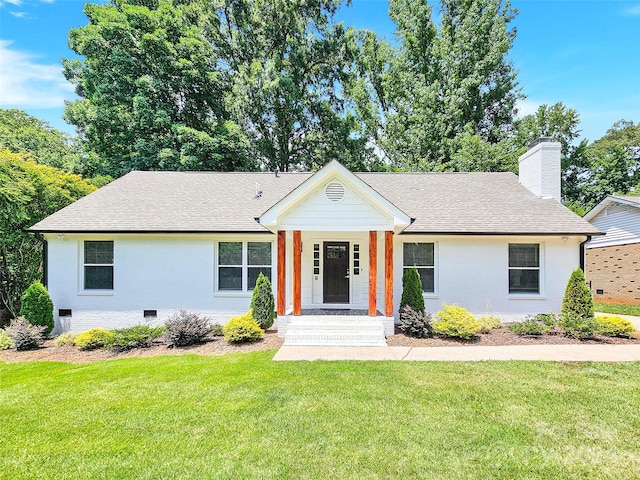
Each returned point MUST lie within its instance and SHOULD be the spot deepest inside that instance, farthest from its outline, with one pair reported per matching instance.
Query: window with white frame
(98, 265)
(422, 257)
(524, 268)
(240, 264)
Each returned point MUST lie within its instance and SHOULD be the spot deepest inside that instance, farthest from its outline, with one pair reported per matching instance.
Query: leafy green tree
(577, 302)
(411, 291)
(23, 133)
(262, 302)
(37, 307)
(28, 193)
(151, 93)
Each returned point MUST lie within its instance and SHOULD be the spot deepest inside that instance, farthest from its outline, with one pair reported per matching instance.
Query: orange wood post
(282, 284)
(373, 272)
(388, 273)
(297, 272)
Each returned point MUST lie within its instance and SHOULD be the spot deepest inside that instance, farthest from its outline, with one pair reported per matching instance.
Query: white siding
(473, 272)
(318, 213)
(151, 272)
(621, 225)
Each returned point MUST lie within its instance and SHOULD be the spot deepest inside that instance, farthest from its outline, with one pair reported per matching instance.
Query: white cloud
(19, 14)
(527, 107)
(635, 10)
(47, 1)
(17, 3)
(24, 83)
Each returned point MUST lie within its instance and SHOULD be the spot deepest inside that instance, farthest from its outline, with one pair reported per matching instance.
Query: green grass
(243, 416)
(617, 309)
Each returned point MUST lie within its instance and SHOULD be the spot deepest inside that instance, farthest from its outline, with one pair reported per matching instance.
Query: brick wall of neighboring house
(615, 271)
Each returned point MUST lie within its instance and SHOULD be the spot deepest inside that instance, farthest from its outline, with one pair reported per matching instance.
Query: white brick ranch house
(151, 243)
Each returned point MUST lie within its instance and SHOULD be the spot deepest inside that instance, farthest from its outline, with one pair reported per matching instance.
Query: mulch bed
(499, 337)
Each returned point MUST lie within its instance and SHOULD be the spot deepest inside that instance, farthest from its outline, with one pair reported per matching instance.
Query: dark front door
(336, 272)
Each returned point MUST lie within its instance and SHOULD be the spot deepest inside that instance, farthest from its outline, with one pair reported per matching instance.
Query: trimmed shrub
(488, 323)
(140, 336)
(24, 335)
(216, 330)
(531, 325)
(455, 321)
(412, 291)
(415, 324)
(580, 328)
(94, 338)
(549, 319)
(185, 328)
(66, 340)
(5, 341)
(37, 306)
(262, 303)
(242, 329)
(577, 301)
(612, 326)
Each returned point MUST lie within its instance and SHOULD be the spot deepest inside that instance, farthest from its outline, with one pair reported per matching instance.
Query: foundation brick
(614, 270)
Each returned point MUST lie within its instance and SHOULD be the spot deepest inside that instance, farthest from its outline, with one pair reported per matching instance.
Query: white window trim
(435, 293)
(245, 291)
(540, 295)
(105, 292)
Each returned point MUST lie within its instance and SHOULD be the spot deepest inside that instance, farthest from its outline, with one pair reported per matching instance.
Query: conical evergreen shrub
(37, 306)
(412, 291)
(577, 301)
(262, 302)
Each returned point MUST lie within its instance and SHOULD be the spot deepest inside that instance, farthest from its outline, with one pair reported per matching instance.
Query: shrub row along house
(332, 242)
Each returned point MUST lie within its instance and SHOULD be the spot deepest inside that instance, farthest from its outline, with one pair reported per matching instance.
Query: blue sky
(584, 53)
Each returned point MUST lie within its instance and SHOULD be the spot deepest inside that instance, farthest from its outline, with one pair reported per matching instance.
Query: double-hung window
(98, 265)
(422, 257)
(524, 268)
(240, 264)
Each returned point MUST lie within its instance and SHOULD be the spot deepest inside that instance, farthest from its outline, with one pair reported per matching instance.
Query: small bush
(577, 327)
(37, 307)
(531, 325)
(5, 341)
(140, 336)
(242, 329)
(549, 319)
(216, 330)
(611, 326)
(94, 338)
(66, 340)
(488, 323)
(455, 321)
(262, 303)
(577, 301)
(415, 324)
(185, 328)
(24, 335)
(412, 291)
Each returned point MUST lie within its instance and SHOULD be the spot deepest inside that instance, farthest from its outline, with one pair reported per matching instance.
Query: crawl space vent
(334, 191)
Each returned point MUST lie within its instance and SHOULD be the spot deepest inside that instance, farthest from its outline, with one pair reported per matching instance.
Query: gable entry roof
(217, 202)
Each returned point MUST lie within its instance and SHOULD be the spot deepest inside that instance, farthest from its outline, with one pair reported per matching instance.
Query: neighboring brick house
(613, 260)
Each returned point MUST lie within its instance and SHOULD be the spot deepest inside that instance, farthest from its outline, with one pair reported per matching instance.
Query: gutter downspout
(582, 259)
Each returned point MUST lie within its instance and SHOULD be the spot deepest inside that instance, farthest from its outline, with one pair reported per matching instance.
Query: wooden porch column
(388, 273)
(373, 272)
(282, 265)
(297, 272)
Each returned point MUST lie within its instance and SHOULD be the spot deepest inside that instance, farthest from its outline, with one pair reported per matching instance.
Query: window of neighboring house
(524, 268)
(240, 264)
(422, 257)
(98, 265)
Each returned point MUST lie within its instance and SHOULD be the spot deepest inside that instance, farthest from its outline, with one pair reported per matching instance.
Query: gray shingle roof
(465, 203)
(628, 198)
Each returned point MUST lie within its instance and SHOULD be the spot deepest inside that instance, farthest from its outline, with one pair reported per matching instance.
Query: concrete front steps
(335, 330)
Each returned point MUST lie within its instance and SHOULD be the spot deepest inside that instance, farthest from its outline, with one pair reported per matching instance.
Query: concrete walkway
(554, 353)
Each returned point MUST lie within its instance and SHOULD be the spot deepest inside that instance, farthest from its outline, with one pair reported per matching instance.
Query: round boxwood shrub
(577, 301)
(612, 326)
(5, 341)
(455, 321)
(37, 307)
(242, 329)
(412, 291)
(488, 323)
(65, 340)
(262, 303)
(94, 338)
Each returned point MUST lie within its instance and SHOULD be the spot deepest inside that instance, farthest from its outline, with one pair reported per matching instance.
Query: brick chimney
(539, 168)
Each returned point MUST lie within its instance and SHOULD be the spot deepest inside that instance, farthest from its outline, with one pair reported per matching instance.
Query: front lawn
(244, 416)
(617, 309)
